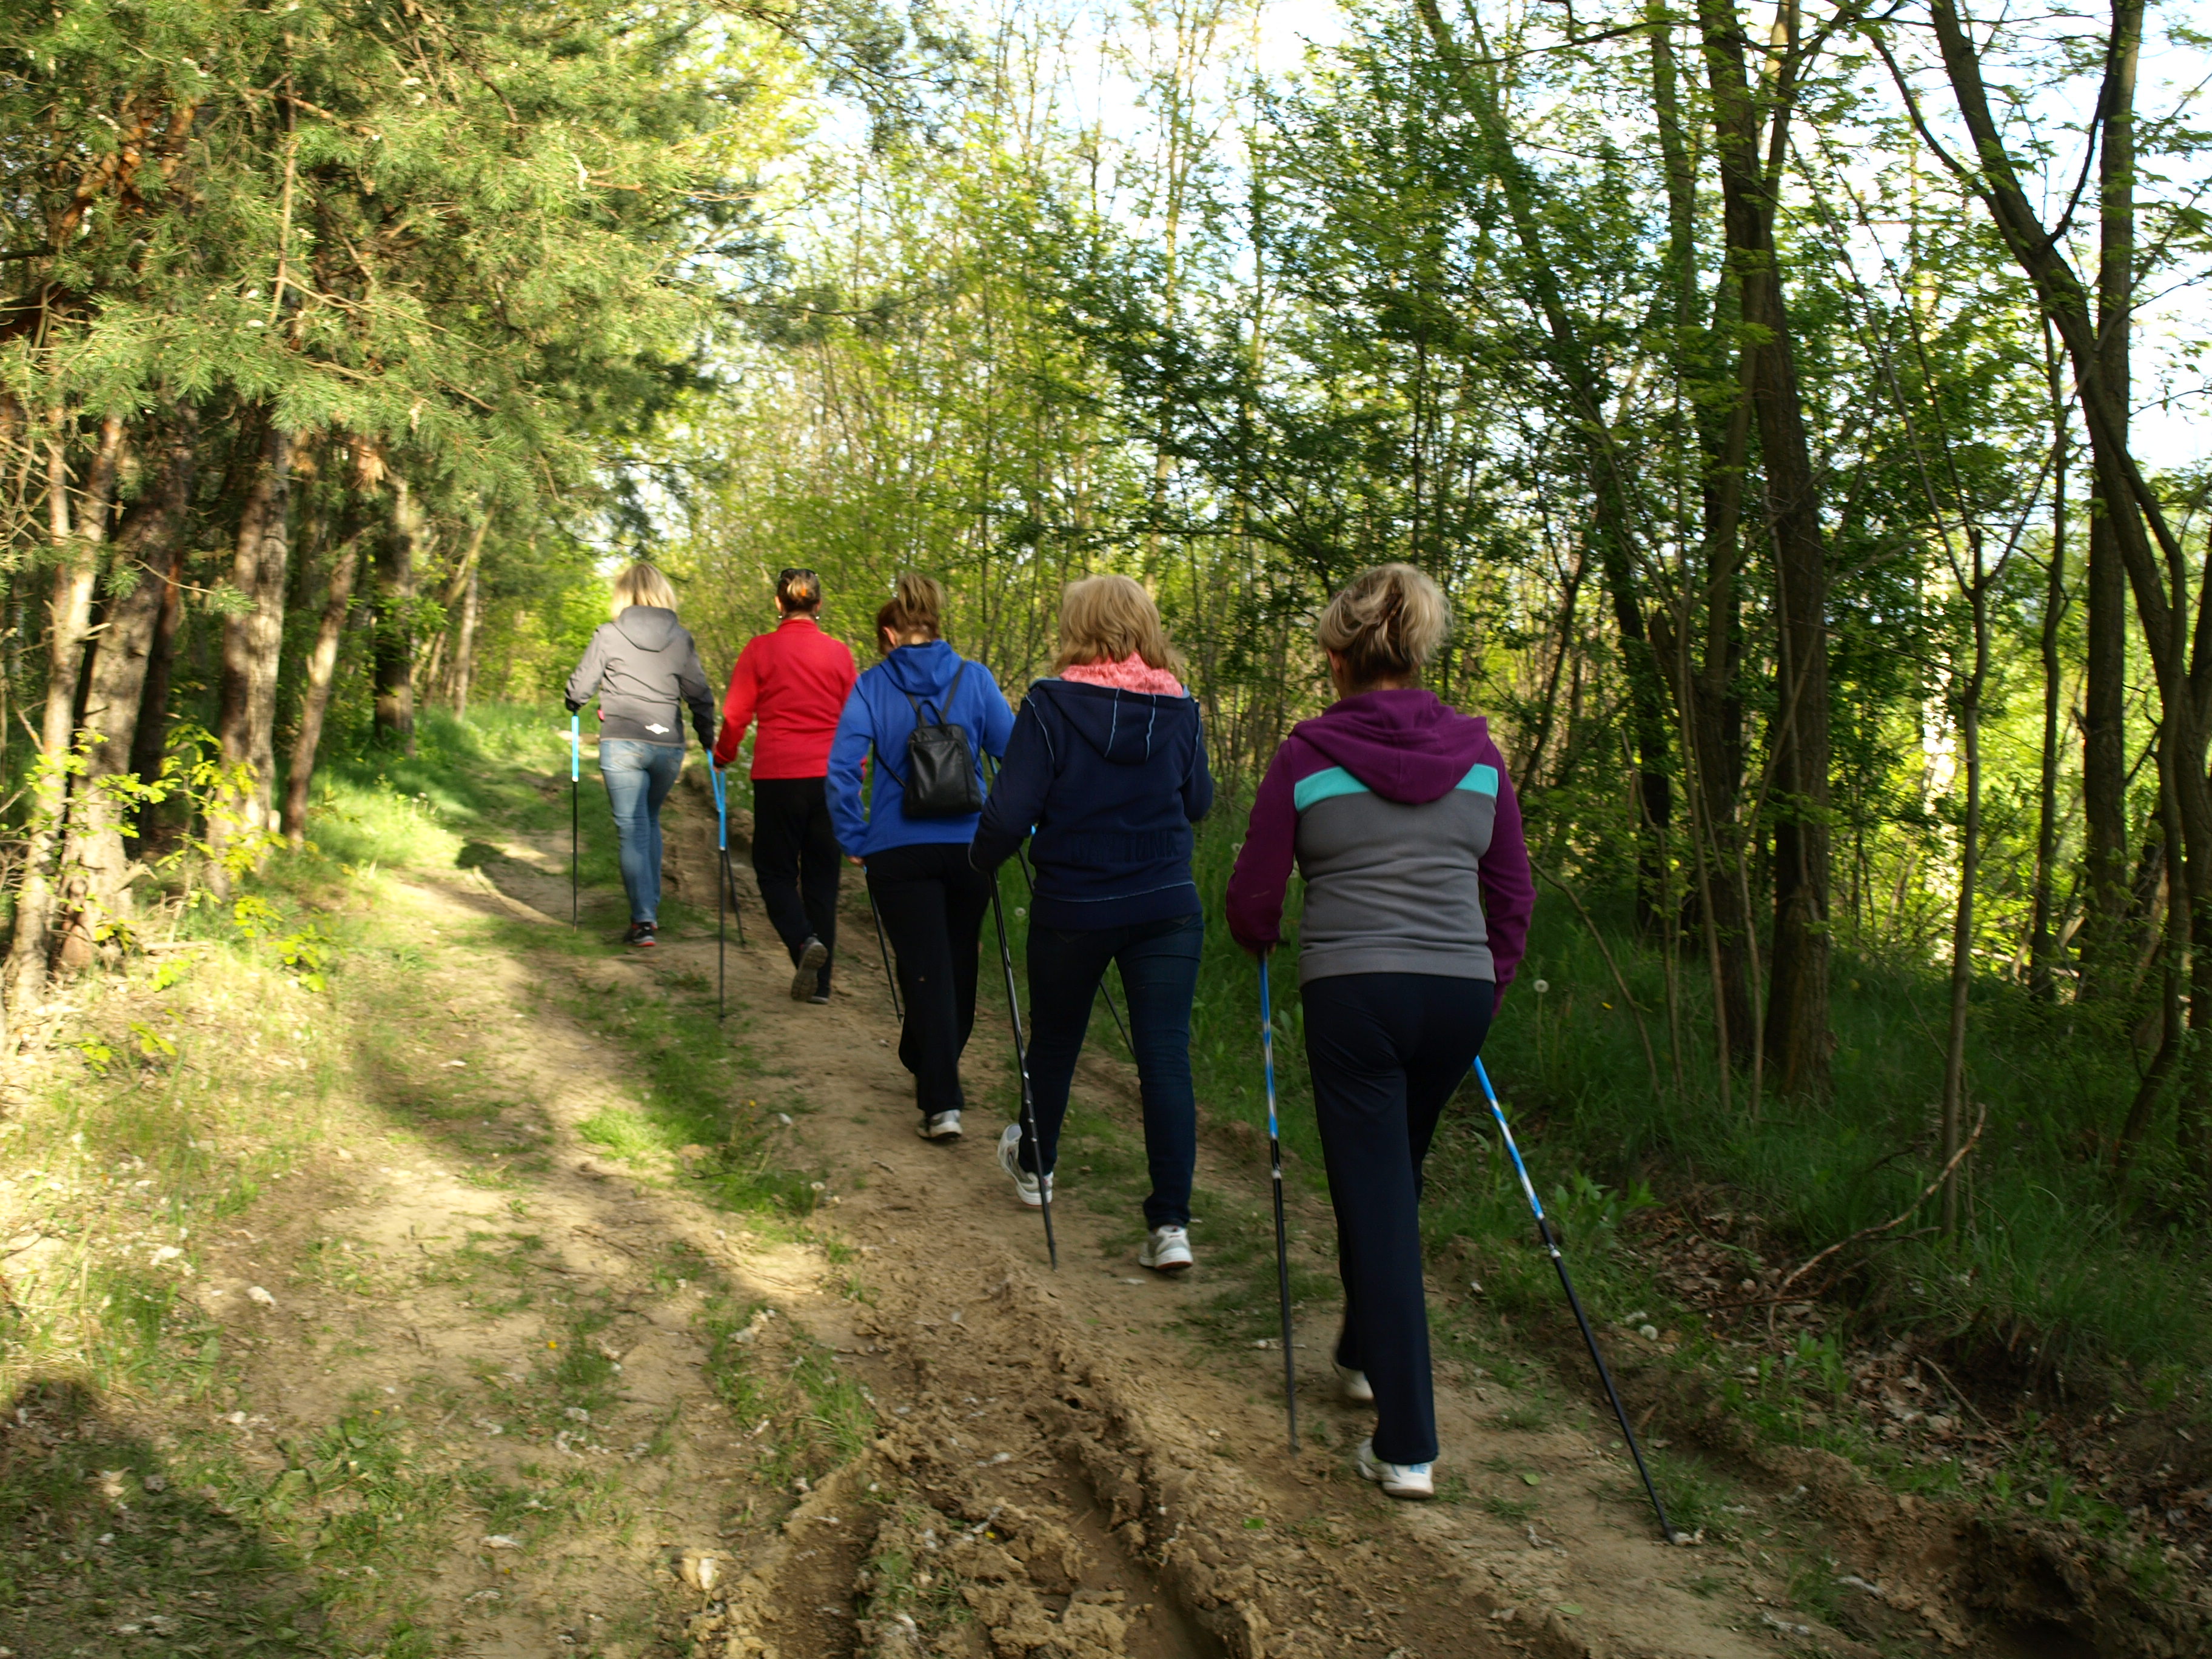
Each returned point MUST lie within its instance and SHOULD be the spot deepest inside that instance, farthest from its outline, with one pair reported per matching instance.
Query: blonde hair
(1110, 619)
(916, 606)
(1385, 623)
(643, 584)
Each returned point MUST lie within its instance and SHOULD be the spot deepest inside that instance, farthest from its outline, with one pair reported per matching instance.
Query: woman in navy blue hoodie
(931, 899)
(1107, 769)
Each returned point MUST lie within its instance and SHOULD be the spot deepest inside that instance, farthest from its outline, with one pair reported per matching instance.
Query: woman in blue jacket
(1108, 766)
(931, 899)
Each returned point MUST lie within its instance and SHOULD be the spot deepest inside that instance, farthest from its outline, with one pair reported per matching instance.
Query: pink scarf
(1132, 673)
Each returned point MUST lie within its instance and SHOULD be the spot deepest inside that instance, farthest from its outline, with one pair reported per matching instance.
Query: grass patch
(189, 1091)
(805, 1415)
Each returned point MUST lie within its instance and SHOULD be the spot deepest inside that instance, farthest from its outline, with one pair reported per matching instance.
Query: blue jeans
(638, 776)
(1159, 972)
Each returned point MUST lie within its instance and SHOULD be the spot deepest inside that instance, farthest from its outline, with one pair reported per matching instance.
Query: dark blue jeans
(1386, 1051)
(638, 776)
(1160, 972)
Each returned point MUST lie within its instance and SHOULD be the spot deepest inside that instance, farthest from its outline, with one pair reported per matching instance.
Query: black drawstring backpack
(941, 781)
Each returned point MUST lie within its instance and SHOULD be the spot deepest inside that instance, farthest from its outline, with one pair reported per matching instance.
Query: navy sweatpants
(1386, 1051)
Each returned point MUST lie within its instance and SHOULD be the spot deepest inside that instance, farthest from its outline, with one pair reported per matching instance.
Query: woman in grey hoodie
(644, 668)
(1400, 812)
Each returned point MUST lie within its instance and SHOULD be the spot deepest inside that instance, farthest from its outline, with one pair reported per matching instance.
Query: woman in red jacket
(794, 683)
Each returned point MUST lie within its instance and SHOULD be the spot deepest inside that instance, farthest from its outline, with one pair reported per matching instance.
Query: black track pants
(1386, 1052)
(931, 902)
(797, 861)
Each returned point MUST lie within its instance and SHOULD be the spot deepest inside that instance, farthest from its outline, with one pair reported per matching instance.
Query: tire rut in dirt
(1031, 1503)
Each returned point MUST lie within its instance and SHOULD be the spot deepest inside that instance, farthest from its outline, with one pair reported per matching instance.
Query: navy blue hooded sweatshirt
(1111, 781)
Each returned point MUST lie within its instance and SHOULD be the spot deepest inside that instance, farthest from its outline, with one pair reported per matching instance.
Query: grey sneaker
(939, 1125)
(1026, 1186)
(1167, 1250)
(1410, 1481)
(806, 977)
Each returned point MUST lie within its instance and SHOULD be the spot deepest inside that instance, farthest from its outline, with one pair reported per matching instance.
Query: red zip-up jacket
(794, 682)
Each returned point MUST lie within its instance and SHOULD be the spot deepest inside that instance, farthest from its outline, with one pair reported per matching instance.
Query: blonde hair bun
(1386, 622)
(1110, 619)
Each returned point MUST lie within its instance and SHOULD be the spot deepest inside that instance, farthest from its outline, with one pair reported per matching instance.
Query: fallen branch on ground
(1981, 1121)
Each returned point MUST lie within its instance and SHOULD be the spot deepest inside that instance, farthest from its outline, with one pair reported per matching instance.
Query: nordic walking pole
(730, 886)
(1022, 1065)
(1029, 886)
(1282, 1233)
(1104, 990)
(721, 888)
(1551, 1246)
(575, 778)
(884, 946)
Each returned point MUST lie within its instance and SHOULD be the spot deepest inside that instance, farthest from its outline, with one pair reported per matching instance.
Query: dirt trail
(1099, 1479)
(589, 1379)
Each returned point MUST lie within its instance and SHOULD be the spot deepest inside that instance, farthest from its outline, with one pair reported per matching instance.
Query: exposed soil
(1071, 1464)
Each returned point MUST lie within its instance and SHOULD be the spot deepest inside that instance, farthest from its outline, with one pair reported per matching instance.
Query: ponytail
(1386, 623)
(916, 606)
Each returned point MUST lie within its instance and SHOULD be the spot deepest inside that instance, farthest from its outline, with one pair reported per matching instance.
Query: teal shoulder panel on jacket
(1321, 785)
(1480, 779)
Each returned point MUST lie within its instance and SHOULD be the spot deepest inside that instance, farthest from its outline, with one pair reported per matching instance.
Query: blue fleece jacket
(1112, 781)
(877, 715)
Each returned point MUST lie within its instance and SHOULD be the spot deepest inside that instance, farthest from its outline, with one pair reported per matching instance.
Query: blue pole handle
(575, 747)
(721, 808)
(1519, 1167)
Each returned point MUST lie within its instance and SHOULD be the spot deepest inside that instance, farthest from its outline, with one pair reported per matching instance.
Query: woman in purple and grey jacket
(1398, 811)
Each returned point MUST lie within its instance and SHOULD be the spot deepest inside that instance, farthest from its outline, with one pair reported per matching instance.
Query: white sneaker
(1026, 1187)
(1166, 1251)
(1413, 1481)
(939, 1125)
(1354, 1387)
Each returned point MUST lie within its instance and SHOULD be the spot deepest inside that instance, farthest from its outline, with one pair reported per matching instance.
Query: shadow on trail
(106, 1547)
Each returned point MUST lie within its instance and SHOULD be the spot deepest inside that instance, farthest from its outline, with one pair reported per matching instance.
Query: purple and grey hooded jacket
(1398, 811)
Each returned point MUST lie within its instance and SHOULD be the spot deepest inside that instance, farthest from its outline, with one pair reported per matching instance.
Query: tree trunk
(77, 536)
(2174, 967)
(322, 668)
(437, 673)
(150, 543)
(465, 648)
(252, 641)
(2042, 968)
(1796, 1041)
(2160, 572)
(1962, 915)
(1574, 360)
(149, 741)
(395, 620)
(2105, 947)
(1712, 709)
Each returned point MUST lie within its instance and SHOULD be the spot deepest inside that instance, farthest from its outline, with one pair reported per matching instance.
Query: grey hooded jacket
(643, 667)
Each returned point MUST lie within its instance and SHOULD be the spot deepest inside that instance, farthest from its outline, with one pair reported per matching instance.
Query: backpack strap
(944, 703)
(918, 705)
